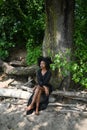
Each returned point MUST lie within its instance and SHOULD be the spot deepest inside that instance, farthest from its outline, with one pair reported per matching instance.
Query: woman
(43, 86)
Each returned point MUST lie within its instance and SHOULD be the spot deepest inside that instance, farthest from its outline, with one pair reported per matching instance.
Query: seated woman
(43, 86)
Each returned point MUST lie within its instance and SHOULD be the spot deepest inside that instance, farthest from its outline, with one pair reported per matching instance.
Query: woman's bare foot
(36, 112)
(29, 107)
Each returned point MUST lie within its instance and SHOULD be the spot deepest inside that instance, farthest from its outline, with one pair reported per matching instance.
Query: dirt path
(13, 117)
(67, 115)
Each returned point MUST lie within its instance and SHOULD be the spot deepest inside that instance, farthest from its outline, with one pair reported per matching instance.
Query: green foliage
(78, 71)
(33, 52)
(4, 47)
(61, 63)
(21, 21)
(36, 31)
(80, 43)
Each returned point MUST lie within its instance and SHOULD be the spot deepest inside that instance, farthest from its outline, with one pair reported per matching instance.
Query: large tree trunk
(59, 29)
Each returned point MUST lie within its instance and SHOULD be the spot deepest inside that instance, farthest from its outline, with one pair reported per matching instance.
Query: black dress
(42, 80)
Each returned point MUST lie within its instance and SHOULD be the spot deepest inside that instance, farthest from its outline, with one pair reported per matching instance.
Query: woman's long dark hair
(47, 61)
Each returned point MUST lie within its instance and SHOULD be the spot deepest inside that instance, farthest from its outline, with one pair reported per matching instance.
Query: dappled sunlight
(82, 125)
(58, 36)
(61, 116)
(33, 28)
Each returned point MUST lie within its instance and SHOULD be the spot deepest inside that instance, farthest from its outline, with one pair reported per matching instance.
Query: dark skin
(38, 91)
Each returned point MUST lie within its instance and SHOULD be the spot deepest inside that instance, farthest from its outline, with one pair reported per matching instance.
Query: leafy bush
(78, 70)
(4, 47)
(61, 63)
(33, 52)
(21, 21)
(80, 43)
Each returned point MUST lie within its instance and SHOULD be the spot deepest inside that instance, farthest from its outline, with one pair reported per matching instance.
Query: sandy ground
(13, 117)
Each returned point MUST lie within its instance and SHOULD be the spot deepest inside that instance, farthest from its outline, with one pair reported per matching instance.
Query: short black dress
(42, 80)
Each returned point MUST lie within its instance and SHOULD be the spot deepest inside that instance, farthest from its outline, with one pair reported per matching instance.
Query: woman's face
(42, 64)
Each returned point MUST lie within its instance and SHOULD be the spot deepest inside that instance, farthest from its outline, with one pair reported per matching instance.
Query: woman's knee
(37, 89)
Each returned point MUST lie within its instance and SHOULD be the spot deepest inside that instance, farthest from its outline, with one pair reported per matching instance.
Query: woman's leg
(38, 102)
(34, 98)
(42, 89)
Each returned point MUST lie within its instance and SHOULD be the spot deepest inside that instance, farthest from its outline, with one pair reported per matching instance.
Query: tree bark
(59, 30)
(73, 95)
(15, 93)
(6, 83)
(19, 71)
